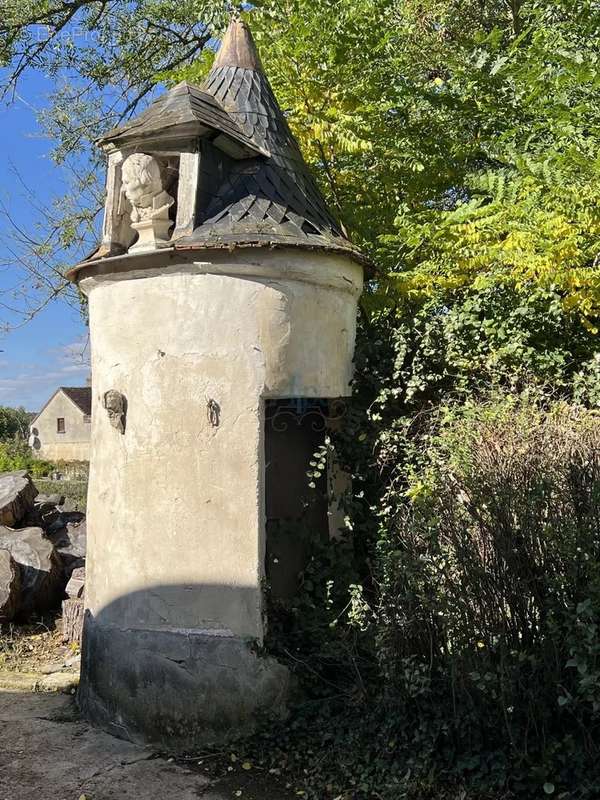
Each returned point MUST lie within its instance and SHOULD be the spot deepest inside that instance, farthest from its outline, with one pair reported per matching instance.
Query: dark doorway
(296, 511)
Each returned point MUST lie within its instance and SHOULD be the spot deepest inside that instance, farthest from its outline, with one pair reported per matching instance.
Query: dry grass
(26, 648)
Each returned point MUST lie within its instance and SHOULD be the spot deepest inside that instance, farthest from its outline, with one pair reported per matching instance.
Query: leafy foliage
(466, 665)
(457, 140)
(16, 455)
(489, 588)
(14, 423)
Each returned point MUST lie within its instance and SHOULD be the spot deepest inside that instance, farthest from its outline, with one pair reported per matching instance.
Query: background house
(61, 430)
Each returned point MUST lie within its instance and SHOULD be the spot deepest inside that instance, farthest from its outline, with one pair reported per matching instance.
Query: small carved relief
(213, 413)
(116, 407)
(143, 186)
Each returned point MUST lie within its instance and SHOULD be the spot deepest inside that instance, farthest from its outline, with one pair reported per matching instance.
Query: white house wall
(73, 444)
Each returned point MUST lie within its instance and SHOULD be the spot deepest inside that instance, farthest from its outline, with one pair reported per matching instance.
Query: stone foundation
(176, 690)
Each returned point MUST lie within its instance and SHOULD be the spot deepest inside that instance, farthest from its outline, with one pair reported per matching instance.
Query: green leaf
(498, 64)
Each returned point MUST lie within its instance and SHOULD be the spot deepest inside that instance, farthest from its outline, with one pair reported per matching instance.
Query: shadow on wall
(34, 439)
(159, 668)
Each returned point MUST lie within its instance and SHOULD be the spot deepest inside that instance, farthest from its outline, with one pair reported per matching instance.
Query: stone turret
(223, 294)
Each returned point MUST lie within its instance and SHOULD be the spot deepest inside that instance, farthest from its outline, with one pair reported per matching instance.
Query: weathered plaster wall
(74, 443)
(176, 518)
(176, 502)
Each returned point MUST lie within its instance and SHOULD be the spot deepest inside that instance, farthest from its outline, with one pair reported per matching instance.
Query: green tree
(456, 139)
(14, 423)
(104, 57)
(526, 213)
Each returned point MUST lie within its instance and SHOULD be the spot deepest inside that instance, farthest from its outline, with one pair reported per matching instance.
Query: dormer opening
(148, 199)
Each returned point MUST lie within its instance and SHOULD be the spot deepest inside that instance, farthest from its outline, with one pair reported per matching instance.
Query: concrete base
(176, 690)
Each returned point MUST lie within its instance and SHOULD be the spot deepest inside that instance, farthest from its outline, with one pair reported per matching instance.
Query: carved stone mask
(116, 406)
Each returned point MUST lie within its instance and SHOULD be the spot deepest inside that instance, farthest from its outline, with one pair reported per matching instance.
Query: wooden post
(72, 620)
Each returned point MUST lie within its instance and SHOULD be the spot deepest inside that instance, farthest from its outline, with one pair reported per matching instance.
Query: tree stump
(72, 620)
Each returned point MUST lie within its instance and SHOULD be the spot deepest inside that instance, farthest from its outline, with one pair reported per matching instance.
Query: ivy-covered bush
(490, 599)
(447, 645)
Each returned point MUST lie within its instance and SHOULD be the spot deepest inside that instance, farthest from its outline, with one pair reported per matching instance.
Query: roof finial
(238, 48)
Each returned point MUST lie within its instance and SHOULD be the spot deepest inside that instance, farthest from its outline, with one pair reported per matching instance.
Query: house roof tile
(81, 396)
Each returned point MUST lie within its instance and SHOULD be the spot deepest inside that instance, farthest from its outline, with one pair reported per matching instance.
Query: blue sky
(46, 352)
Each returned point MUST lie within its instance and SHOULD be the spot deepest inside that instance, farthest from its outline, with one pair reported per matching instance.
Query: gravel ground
(48, 753)
(28, 648)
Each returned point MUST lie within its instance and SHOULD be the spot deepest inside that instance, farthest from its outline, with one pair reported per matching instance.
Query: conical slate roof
(270, 199)
(254, 188)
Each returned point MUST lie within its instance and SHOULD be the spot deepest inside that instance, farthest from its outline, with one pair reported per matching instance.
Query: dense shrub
(448, 645)
(490, 599)
(16, 454)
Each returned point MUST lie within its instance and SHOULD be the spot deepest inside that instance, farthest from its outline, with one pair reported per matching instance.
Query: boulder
(51, 517)
(40, 569)
(52, 499)
(44, 515)
(17, 494)
(10, 586)
(70, 544)
(71, 506)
